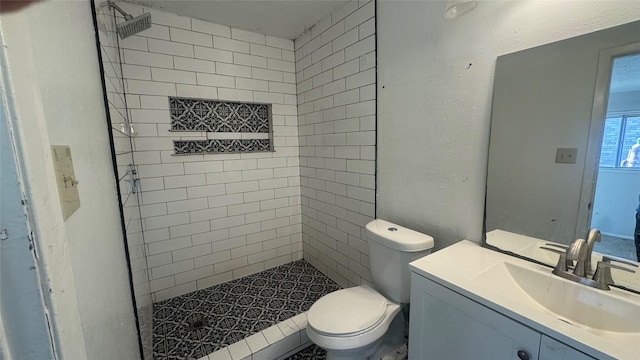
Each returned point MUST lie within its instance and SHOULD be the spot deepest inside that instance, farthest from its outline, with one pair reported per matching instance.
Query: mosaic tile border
(221, 146)
(189, 114)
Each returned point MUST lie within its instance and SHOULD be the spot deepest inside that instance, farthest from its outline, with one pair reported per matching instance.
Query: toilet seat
(350, 319)
(347, 312)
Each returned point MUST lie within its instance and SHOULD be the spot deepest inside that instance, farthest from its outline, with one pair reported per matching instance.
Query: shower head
(133, 25)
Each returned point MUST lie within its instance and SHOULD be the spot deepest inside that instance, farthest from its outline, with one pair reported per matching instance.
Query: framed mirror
(562, 129)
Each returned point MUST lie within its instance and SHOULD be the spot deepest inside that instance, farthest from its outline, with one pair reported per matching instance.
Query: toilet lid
(347, 311)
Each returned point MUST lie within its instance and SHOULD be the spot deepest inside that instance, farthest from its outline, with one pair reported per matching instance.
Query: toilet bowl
(350, 318)
(361, 322)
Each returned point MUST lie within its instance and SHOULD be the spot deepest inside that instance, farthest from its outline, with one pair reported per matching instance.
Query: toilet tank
(391, 249)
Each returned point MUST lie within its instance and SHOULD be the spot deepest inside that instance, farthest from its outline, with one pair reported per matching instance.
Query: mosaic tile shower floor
(234, 310)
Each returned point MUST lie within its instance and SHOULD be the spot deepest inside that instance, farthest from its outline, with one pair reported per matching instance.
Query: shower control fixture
(133, 181)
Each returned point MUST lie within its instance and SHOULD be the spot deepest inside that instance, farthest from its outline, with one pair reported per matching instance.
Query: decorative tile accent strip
(220, 146)
(232, 311)
(218, 116)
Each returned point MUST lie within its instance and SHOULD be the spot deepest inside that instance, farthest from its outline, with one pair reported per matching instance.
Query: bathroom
(431, 112)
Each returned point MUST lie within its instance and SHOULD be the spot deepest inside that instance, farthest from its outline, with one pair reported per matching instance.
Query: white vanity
(469, 302)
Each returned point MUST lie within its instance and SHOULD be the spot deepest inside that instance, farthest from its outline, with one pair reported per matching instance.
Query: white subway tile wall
(212, 218)
(335, 76)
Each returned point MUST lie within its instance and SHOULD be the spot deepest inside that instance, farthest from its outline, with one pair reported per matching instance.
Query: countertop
(455, 267)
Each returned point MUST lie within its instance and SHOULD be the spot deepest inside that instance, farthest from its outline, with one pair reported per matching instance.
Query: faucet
(580, 252)
(576, 251)
(594, 236)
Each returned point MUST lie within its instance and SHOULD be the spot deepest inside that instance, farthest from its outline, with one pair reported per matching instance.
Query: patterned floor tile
(235, 310)
(313, 352)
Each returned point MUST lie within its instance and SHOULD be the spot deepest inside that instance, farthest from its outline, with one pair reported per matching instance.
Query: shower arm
(116, 7)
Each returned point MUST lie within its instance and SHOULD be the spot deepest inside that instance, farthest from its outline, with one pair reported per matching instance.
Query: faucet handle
(563, 262)
(602, 276)
(567, 263)
(562, 246)
(552, 249)
(610, 258)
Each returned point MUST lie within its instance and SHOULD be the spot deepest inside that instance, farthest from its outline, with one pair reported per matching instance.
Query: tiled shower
(198, 220)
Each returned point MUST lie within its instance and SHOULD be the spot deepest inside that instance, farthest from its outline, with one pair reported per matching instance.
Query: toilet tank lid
(398, 237)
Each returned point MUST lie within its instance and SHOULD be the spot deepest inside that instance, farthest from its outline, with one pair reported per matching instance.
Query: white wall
(435, 88)
(211, 218)
(53, 68)
(335, 64)
(615, 203)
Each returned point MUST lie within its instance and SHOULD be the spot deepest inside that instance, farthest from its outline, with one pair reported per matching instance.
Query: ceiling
(280, 18)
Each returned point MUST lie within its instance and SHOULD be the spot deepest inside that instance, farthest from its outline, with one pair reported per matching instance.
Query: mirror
(545, 182)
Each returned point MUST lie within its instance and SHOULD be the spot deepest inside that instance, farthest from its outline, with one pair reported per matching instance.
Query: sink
(533, 251)
(602, 324)
(595, 310)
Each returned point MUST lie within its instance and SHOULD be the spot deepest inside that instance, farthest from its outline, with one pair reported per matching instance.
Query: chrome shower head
(133, 25)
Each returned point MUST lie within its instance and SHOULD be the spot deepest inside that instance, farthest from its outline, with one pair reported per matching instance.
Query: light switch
(66, 179)
(566, 155)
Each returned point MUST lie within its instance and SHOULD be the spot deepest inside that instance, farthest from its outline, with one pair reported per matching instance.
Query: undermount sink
(595, 310)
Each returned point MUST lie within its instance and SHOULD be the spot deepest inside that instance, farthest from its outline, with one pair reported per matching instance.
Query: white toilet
(358, 322)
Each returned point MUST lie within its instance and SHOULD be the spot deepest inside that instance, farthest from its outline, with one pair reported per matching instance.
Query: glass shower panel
(122, 132)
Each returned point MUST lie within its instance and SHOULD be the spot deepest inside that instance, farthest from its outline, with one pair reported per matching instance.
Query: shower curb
(276, 342)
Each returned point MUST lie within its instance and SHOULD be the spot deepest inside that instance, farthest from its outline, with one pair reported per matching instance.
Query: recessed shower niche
(230, 127)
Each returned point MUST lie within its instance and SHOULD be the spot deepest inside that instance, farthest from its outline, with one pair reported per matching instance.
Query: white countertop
(455, 267)
(529, 247)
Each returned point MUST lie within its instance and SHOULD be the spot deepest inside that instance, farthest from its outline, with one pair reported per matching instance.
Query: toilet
(364, 322)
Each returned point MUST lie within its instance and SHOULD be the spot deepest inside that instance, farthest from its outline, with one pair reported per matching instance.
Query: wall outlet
(566, 155)
(66, 179)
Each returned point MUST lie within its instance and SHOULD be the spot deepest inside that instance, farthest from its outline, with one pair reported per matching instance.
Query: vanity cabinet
(445, 325)
(552, 349)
